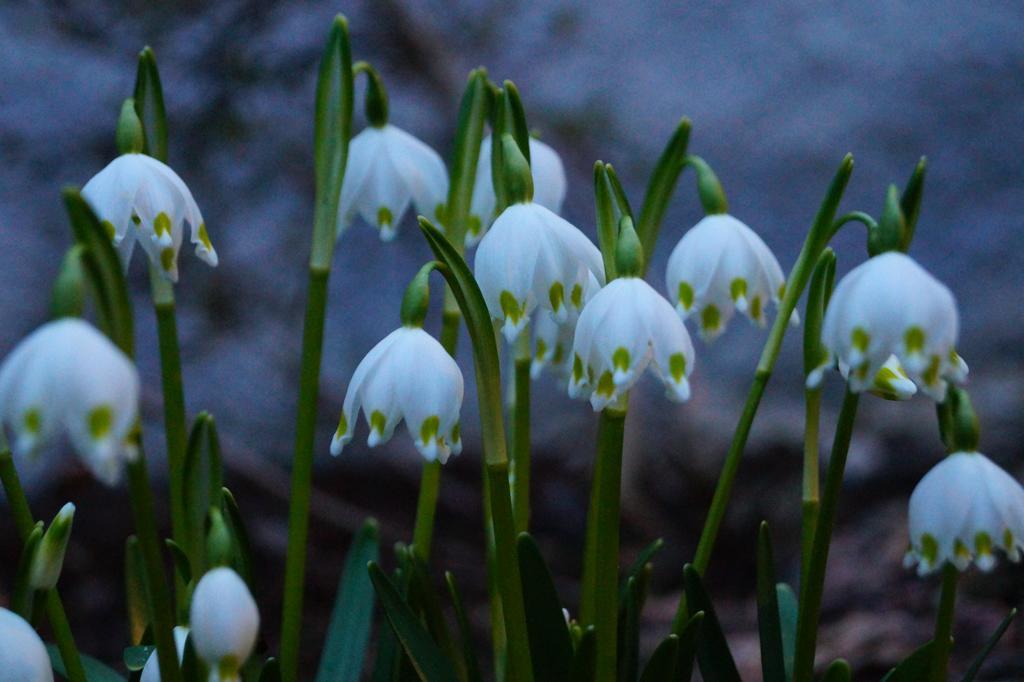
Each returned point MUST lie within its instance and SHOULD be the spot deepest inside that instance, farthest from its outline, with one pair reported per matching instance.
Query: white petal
(420, 168)
(429, 387)
(23, 656)
(549, 183)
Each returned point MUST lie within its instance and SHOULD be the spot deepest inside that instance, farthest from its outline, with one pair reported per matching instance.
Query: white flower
(890, 305)
(386, 169)
(23, 657)
(721, 266)
(68, 375)
(224, 621)
(532, 258)
(151, 671)
(139, 198)
(625, 327)
(962, 510)
(549, 185)
(407, 375)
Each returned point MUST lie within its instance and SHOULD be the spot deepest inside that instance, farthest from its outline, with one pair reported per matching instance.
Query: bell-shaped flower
(407, 375)
(151, 671)
(625, 327)
(387, 169)
(23, 656)
(140, 199)
(67, 375)
(548, 181)
(225, 622)
(964, 509)
(721, 266)
(887, 306)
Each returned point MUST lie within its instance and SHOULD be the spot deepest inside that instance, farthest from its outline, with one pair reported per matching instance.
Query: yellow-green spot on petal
(510, 306)
(108, 227)
(929, 548)
(100, 420)
(456, 433)
(167, 258)
(542, 349)
(474, 225)
(738, 288)
(577, 296)
(1008, 540)
(961, 550)
(677, 366)
(558, 355)
(429, 428)
(983, 544)
(606, 385)
(931, 374)
(378, 421)
(32, 421)
(686, 295)
(556, 295)
(162, 224)
(755, 308)
(620, 359)
(913, 339)
(384, 217)
(860, 339)
(204, 237)
(342, 425)
(782, 291)
(577, 368)
(710, 318)
(136, 219)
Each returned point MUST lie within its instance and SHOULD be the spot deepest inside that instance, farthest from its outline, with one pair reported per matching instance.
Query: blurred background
(777, 93)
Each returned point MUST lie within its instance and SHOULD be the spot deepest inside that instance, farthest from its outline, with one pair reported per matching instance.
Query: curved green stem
(942, 642)
(852, 217)
(811, 591)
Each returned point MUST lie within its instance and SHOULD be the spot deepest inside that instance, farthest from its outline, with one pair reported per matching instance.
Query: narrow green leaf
(773, 667)
(465, 632)
(428, 661)
(910, 201)
(629, 634)
(607, 222)
(149, 105)
(621, 201)
(181, 562)
(271, 671)
(990, 644)
(713, 655)
(349, 630)
(913, 668)
(788, 612)
(661, 667)
(550, 643)
(838, 671)
(516, 117)
(24, 595)
(689, 636)
(203, 473)
(242, 545)
(585, 660)
(424, 600)
(661, 186)
(473, 113)
(135, 590)
(642, 559)
(94, 670)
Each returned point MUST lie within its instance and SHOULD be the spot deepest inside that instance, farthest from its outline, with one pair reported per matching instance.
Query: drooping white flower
(140, 199)
(623, 329)
(721, 266)
(407, 375)
(531, 258)
(549, 185)
(890, 305)
(23, 657)
(68, 375)
(151, 671)
(225, 622)
(961, 511)
(387, 169)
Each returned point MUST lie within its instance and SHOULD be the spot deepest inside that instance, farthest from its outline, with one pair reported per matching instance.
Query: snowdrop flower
(721, 266)
(151, 671)
(68, 375)
(23, 657)
(890, 305)
(548, 181)
(224, 621)
(532, 258)
(961, 511)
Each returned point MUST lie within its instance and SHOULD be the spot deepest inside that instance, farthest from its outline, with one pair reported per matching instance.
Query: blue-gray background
(777, 92)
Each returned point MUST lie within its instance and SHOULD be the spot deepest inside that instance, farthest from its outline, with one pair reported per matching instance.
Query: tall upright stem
(302, 470)
(521, 434)
(810, 494)
(811, 590)
(23, 522)
(942, 641)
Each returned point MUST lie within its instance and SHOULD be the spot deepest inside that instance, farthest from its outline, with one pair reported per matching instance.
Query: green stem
(811, 493)
(17, 502)
(161, 608)
(521, 435)
(811, 591)
(942, 642)
(302, 471)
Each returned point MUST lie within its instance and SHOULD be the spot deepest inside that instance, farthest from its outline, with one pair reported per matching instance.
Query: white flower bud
(68, 375)
(139, 198)
(224, 622)
(23, 657)
(48, 559)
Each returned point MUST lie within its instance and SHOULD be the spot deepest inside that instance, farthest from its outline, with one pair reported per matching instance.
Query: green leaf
(135, 657)
(621, 201)
(788, 612)
(661, 667)
(465, 632)
(349, 630)
(135, 590)
(990, 644)
(913, 668)
(473, 113)
(689, 636)
(773, 666)
(428, 661)
(713, 655)
(192, 667)
(94, 670)
(637, 567)
(149, 105)
(838, 671)
(607, 222)
(629, 634)
(424, 599)
(584, 661)
(550, 643)
(516, 117)
(181, 562)
(271, 671)
(910, 202)
(661, 186)
(242, 545)
(203, 473)
(24, 594)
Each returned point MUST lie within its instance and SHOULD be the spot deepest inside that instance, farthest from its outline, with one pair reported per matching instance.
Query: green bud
(712, 195)
(376, 95)
(416, 301)
(70, 285)
(887, 235)
(130, 137)
(518, 179)
(910, 201)
(219, 544)
(48, 559)
(629, 253)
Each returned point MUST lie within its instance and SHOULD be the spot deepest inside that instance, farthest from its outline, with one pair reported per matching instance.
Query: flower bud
(130, 137)
(225, 622)
(48, 559)
(23, 657)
